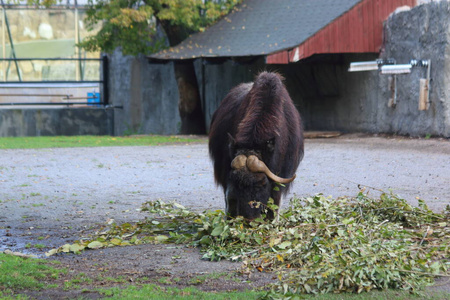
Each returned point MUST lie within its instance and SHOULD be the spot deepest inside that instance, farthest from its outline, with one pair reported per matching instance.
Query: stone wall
(421, 33)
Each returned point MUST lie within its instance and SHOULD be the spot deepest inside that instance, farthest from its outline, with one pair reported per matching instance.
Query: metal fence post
(105, 79)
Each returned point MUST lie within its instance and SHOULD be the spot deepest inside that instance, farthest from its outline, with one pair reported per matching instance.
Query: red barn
(286, 31)
(312, 43)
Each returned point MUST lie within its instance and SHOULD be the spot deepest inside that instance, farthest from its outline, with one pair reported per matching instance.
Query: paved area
(74, 188)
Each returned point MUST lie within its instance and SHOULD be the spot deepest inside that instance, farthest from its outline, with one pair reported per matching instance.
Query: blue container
(93, 98)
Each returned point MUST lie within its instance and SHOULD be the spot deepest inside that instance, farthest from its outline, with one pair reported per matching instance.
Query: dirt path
(55, 196)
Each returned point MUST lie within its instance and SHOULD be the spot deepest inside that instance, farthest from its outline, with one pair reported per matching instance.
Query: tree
(132, 25)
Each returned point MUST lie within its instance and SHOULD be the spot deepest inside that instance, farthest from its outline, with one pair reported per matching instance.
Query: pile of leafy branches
(318, 245)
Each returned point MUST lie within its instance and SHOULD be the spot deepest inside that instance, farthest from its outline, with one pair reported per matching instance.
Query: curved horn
(256, 165)
(239, 162)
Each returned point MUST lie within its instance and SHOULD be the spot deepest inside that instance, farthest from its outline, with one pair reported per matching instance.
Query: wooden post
(423, 94)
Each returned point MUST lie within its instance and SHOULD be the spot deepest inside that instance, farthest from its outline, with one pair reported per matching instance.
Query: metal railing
(94, 99)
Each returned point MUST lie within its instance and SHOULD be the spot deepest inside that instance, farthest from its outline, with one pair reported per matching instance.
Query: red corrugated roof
(359, 30)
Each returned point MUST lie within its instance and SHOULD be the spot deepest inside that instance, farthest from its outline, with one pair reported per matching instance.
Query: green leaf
(205, 240)
(347, 221)
(284, 245)
(65, 248)
(161, 238)
(95, 245)
(76, 248)
(51, 252)
(116, 241)
(217, 230)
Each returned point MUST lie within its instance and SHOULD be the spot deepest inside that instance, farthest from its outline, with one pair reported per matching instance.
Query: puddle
(10, 241)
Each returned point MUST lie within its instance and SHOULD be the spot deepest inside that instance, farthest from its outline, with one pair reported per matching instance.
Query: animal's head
(250, 185)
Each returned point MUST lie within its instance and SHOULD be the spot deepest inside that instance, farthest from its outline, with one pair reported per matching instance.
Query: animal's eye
(270, 144)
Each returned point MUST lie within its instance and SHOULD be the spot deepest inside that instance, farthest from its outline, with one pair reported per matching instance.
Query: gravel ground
(55, 196)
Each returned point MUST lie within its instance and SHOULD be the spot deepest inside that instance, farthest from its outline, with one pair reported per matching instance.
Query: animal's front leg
(231, 205)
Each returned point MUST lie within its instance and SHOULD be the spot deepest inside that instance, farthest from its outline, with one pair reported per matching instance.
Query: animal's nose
(254, 204)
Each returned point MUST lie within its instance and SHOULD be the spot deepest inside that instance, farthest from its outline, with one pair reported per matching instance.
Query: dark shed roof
(260, 27)
(289, 30)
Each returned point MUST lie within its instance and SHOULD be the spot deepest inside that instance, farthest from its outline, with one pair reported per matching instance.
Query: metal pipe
(105, 78)
(74, 98)
(51, 58)
(13, 51)
(50, 82)
(4, 43)
(37, 95)
(50, 103)
(77, 49)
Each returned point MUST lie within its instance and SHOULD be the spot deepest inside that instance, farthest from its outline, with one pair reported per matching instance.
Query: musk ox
(255, 143)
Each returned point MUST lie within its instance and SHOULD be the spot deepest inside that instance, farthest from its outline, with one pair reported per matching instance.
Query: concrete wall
(216, 80)
(147, 95)
(55, 121)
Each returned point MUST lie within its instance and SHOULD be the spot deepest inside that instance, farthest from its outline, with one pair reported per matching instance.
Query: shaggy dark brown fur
(256, 118)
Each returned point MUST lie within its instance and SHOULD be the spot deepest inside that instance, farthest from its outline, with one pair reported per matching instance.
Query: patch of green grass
(118, 279)
(151, 291)
(203, 278)
(37, 246)
(17, 273)
(165, 280)
(89, 141)
(10, 295)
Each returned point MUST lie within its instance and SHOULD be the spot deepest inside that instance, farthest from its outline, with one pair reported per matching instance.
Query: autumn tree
(132, 25)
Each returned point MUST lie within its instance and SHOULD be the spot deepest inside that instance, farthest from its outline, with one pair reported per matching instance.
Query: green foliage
(194, 15)
(131, 24)
(125, 24)
(318, 245)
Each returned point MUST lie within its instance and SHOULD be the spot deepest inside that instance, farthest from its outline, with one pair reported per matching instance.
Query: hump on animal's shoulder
(269, 80)
(267, 87)
(261, 114)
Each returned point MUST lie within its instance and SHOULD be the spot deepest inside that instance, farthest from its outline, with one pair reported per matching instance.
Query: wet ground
(51, 197)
